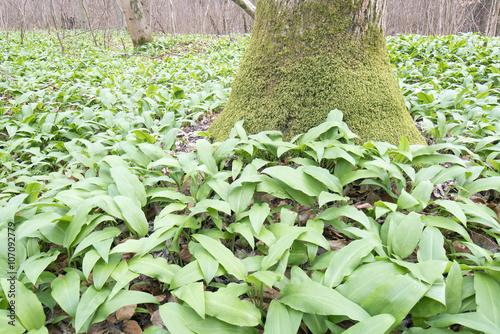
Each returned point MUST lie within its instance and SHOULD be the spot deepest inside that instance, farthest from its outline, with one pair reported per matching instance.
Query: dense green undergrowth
(254, 233)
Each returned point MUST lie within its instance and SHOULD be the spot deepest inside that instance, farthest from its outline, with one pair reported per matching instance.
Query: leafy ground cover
(126, 220)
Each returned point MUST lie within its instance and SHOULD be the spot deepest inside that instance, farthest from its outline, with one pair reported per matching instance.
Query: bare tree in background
(140, 33)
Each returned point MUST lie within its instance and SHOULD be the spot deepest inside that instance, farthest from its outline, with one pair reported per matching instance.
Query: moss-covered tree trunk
(307, 57)
(137, 26)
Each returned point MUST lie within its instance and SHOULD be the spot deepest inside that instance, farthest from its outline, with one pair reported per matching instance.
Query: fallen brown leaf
(125, 312)
(131, 327)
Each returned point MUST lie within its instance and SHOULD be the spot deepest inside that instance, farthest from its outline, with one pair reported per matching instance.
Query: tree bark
(247, 6)
(306, 58)
(137, 27)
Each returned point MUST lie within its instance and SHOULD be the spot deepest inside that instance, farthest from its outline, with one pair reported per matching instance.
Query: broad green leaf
(325, 177)
(36, 264)
(487, 297)
(158, 267)
(231, 309)
(123, 298)
(430, 246)
(315, 323)
(177, 318)
(453, 208)
(207, 263)
(277, 249)
(205, 155)
(226, 258)
(132, 215)
(215, 326)
(380, 323)
(13, 324)
(281, 319)
(240, 196)
(66, 292)
(312, 297)
(396, 296)
(95, 237)
(447, 223)
(128, 184)
(326, 197)
(453, 291)
(406, 235)
(29, 310)
(472, 320)
(346, 260)
(90, 301)
(296, 179)
(193, 294)
(348, 211)
(258, 214)
(366, 278)
(103, 269)
(487, 183)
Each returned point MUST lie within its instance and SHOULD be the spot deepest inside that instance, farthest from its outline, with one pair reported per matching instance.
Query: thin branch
(247, 6)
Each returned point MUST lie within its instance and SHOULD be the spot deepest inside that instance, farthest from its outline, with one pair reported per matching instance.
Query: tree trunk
(137, 27)
(306, 58)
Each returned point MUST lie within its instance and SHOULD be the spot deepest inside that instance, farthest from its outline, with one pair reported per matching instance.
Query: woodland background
(428, 17)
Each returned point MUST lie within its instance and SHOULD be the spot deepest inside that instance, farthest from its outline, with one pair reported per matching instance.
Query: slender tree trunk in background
(172, 17)
(120, 22)
(53, 14)
(87, 21)
(492, 25)
(139, 31)
(84, 23)
(306, 58)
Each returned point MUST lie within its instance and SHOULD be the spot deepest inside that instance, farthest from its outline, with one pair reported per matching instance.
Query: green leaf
(346, 260)
(472, 320)
(487, 297)
(453, 291)
(380, 323)
(453, 208)
(226, 258)
(430, 246)
(396, 296)
(66, 292)
(231, 309)
(207, 263)
(312, 297)
(487, 183)
(367, 278)
(29, 310)
(277, 250)
(348, 211)
(258, 214)
(95, 237)
(296, 179)
(240, 196)
(177, 318)
(158, 267)
(205, 153)
(90, 301)
(128, 184)
(193, 294)
(281, 319)
(132, 215)
(406, 235)
(123, 298)
(215, 326)
(103, 269)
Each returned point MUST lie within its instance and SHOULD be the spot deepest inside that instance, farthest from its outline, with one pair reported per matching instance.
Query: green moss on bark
(303, 62)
